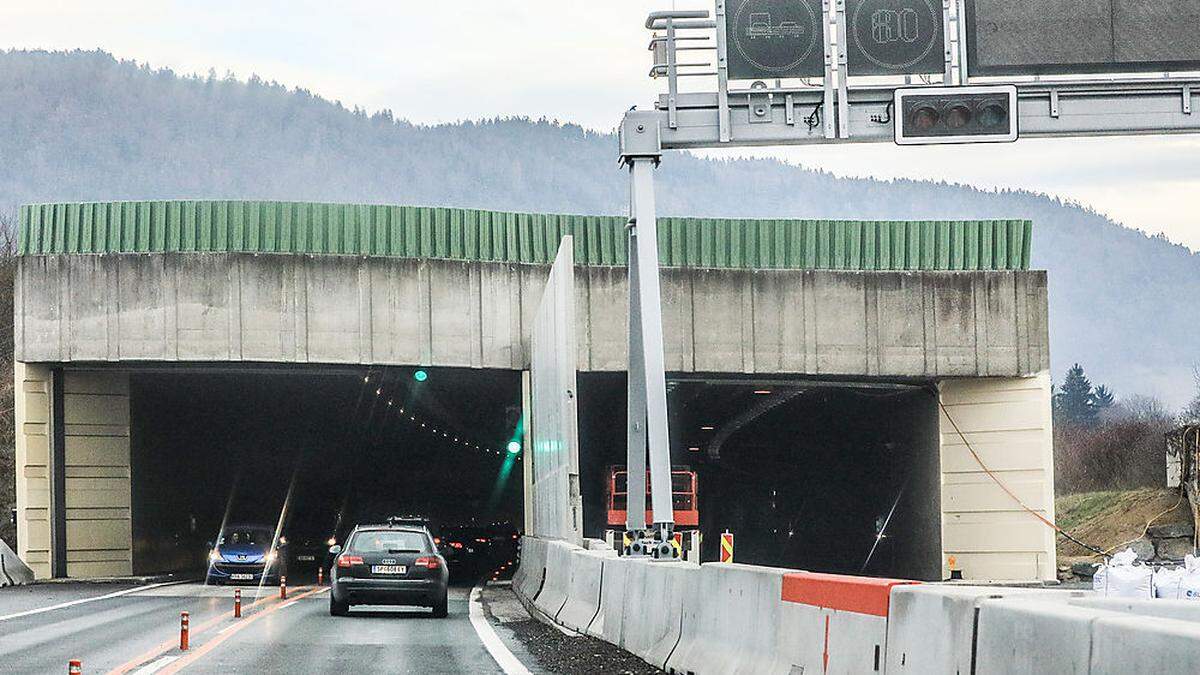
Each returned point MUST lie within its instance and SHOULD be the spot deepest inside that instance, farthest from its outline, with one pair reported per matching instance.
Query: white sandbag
(1122, 578)
(1189, 580)
(1166, 582)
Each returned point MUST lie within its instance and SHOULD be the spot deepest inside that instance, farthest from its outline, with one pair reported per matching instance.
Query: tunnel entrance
(315, 450)
(806, 474)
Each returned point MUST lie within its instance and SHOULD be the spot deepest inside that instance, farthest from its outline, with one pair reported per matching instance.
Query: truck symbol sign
(760, 27)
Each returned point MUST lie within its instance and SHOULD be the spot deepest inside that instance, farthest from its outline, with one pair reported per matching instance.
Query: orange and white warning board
(726, 546)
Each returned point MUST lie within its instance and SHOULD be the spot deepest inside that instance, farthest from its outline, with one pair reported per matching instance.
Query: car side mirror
(335, 549)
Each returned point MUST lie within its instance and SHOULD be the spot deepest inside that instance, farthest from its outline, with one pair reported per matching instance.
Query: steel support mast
(647, 424)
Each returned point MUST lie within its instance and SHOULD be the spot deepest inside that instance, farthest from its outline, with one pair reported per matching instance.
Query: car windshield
(389, 541)
(243, 536)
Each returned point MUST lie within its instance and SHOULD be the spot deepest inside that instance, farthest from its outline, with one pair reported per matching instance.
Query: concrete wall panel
(344, 309)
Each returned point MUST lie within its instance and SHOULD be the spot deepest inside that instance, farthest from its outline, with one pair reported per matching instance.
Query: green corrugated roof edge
(471, 234)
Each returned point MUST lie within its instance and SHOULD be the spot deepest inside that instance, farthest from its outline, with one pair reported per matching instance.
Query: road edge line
(503, 657)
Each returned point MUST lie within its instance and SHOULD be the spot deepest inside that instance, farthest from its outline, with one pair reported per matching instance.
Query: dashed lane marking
(155, 666)
(195, 654)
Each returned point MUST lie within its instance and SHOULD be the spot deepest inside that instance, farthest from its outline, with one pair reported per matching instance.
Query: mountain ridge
(82, 125)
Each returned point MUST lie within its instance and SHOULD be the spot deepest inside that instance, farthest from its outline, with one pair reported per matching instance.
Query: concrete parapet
(531, 572)
(558, 578)
(609, 620)
(583, 597)
(731, 621)
(654, 597)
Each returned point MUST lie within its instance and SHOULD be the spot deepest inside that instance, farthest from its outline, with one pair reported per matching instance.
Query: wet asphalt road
(139, 632)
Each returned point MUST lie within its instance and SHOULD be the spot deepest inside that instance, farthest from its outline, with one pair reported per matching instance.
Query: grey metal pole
(635, 464)
(645, 229)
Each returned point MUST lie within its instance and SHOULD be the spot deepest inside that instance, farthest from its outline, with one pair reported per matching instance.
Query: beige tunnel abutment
(79, 525)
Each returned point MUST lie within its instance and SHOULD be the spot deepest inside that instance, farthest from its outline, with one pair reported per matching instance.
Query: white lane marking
(229, 627)
(288, 604)
(155, 666)
(81, 601)
(323, 590)
(503, 657)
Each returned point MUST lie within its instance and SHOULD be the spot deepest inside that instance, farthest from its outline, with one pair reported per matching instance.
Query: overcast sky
(581, 61)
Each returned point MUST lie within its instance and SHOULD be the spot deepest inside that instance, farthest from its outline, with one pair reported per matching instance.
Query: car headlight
(282, 540)
(214, 556)
(332, 541)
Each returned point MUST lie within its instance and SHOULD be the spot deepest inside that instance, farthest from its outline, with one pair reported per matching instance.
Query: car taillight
(348, 560)
(456, 544)
(481, 540)
(431, 562)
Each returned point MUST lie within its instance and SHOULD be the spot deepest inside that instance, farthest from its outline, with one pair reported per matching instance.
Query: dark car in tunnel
(388, 565)
(244, 554)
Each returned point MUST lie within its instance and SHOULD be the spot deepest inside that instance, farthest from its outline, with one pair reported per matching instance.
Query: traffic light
(976, 114)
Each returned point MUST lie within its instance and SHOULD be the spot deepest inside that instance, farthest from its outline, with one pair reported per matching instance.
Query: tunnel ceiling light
(420, 376)
(707, 427)
(762, 392)
(694, 449)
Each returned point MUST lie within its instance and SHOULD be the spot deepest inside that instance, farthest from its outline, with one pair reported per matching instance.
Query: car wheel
(338, 608)
(440, 608)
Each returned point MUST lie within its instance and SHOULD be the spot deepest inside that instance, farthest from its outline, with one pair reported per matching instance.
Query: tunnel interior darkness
(327, 447)
(806, 475)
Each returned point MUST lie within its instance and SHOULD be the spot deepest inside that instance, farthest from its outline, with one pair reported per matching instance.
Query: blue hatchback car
(244, 554)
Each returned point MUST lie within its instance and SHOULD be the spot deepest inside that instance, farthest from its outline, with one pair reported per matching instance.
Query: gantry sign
(794, 72)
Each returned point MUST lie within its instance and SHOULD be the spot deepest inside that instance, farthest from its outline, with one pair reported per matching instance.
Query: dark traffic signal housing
(974, 114)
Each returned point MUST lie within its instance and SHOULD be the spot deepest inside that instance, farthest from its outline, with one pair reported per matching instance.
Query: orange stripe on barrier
(862, 595)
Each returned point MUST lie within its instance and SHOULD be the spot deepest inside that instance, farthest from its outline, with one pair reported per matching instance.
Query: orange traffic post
(726, 546)
(237, 603)
(677, 544)
(283, 588)
(75, 667)
(183, 631)
(321, 575)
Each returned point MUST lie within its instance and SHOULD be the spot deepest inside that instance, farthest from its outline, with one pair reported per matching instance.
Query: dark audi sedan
(388, 565)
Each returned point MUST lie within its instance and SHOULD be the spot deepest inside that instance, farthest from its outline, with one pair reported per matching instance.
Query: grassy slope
(1110, 519)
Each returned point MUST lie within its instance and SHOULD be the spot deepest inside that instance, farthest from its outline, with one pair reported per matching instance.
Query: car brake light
(455, 544)
(348, 560)
(431, 562)
(481, 540)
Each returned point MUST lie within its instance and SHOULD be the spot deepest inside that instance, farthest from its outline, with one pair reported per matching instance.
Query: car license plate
(241, 577)
(305, 558)
(388, 569)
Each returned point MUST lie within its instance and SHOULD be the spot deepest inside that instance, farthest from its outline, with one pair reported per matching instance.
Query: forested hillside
(81, 125)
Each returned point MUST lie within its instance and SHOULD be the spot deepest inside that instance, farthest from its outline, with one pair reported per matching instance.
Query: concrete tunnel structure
(110, 296)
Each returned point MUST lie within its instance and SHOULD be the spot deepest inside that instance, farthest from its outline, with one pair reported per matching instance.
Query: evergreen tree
(1075, 400)
(1103, 398)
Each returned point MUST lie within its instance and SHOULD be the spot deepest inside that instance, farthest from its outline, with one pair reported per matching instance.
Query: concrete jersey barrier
(731, 621)
(735, 618)
(527, 581)
(583, 596)
(608, 622)
(834, 623)
(655, 594)
(558, 578)
(13, 570)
